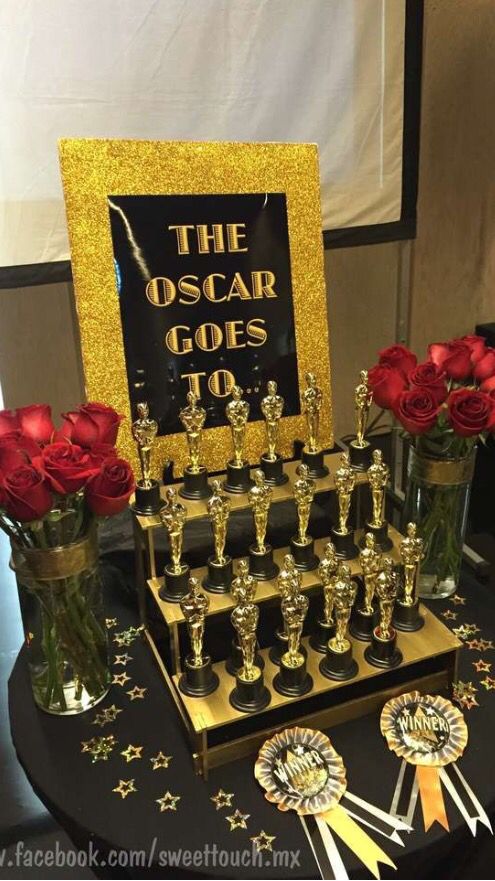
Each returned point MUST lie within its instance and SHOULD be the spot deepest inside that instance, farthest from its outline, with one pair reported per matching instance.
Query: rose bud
(485, 366)
(8, 422)
(35, 421)
(66, 466)
(399, 357)
(26, 494)
(470, 412)
(477, 344)
(454, 358)
(108, 491)
(417, 410)
(90, 424)
(386, 383)
(429, 376)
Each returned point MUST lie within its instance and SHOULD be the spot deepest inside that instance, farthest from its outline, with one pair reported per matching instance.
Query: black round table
(79, 793)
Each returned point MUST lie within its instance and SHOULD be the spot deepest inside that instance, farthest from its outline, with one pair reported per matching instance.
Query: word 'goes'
(162, 291)
(209, 336)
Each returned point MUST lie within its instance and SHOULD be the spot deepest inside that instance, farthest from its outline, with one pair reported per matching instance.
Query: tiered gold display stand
(219, 733)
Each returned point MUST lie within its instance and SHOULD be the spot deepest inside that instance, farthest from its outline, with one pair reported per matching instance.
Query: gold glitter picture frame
(93, 170)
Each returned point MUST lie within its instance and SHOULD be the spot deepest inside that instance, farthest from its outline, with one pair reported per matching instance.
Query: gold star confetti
(489, 683)
(108, 715)
(222, 799)
(125, 787)
(132, 752)
(463, 691)
(457, 600)
(110, 622)
(482, 666)
(126, 637)
(137, 693)
(466, 630)
(87, 745)
(160, 761)
(168, 802)
(480, 645)
(263, 841)
(467, 703)
(237, 820)
(449, 615)
(102, 747)
(122, 659)
(120, 678)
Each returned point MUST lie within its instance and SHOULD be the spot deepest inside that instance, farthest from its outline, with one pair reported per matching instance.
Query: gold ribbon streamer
(432, 802)
(51, 564)
(357, 840)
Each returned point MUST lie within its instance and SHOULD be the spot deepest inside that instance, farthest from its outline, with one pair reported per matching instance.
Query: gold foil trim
(443, 472)
(93, 169)
(300, 771)
(433, 745)
(51, 564)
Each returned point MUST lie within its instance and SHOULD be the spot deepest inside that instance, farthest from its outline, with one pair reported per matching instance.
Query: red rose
(35, 421)
(16, 449)
(108, 492)
(67, 466)
(485, 366)
(386, 383)
(99, 453)
(90, 424)
(399, 357)
(453, 357)
(488, 384)
(470, 412)
(8, 422)
(26, 494)
(477, 344)
(429, 376)
(417, 410)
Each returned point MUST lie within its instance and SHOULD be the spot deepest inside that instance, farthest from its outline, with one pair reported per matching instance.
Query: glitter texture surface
(93, 169)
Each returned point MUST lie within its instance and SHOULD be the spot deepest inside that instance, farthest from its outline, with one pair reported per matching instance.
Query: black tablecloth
(79, 793)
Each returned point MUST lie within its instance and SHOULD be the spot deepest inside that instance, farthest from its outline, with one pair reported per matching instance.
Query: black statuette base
(250, 697)
(279, 648)
(261, 565)
(345, 549)
(195, 486)
(176, 585)
(198, 681)
(338, 665)
(304, 554)
(238, 478)
(324, 632)
(273, 471)
(147, 500)
(219, 576)
(407, 618)
(362, 624)
(383, 652)
(293, 681)
(360, 457)
(315, 463)
(382, 540)
(235, 661)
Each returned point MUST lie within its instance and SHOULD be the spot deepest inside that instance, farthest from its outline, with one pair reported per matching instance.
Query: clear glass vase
(437, 500)
(62, 613)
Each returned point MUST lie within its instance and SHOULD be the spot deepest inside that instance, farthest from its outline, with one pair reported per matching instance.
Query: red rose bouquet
(54, 485)
(444, 405)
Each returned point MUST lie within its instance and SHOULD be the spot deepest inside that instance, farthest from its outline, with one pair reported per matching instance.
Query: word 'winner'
(182, 339)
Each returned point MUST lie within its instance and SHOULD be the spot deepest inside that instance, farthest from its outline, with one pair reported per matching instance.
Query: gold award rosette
(429, 734)
(300, 771)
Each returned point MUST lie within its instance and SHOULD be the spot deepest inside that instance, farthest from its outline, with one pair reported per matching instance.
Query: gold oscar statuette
(386, 591)
(406, 612)
(144, 432)
(237, 413)
(260, 499)
(272, 407)
(345, 481)
(244, 619)
(289, 580)
(294, 611)
(326, 572)
(370, 561)
(198, 678)
(344, 595)
(304, 491)
(220, 568)
(193, 418)
(250, 692)
(311, 404)
(363, 396)
(173, 516)
(244, 585)
(378, 474)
